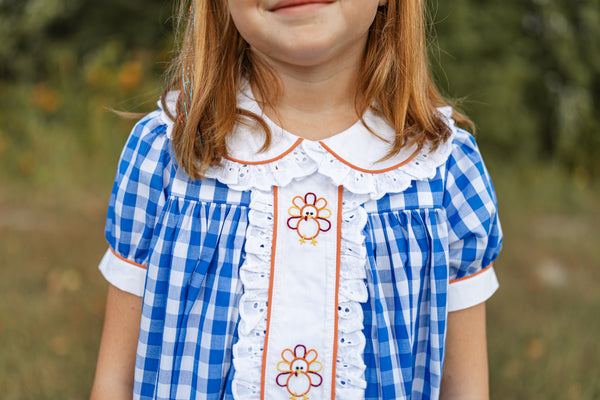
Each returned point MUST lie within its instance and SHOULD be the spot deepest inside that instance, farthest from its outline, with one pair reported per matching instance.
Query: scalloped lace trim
(350, 365)
(376, 185)
(308, 157)
(281, 172)
(254, 274)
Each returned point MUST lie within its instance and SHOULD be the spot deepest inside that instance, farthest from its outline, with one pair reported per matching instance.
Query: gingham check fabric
(190, 235)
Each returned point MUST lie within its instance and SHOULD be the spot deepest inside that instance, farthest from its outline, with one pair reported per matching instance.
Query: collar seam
(270, 160)
(370, 171)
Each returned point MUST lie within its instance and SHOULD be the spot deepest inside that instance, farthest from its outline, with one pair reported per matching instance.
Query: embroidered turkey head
(309, 217)
(299, 371)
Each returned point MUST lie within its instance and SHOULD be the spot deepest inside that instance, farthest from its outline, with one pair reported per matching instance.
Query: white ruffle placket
(350, 290)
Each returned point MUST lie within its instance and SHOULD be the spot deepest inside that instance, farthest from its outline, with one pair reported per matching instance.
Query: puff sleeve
(474, 231)
(137, 197)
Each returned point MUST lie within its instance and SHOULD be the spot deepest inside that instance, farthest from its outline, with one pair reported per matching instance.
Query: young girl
(302, 218)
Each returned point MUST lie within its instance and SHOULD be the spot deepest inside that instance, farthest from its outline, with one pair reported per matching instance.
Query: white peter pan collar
(350, 158)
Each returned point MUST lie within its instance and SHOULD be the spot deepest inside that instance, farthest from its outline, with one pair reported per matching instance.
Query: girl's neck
(317, 102)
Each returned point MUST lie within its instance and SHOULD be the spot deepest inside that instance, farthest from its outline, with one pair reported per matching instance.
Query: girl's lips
(298, 6)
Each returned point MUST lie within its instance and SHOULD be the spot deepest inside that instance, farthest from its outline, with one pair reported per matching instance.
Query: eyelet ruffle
(281, 172)
(377, 184)
(307, 158)
(254, 275)
(350, 366)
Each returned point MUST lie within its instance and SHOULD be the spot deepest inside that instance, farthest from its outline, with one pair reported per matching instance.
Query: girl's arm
(465, 373)
(116, 360)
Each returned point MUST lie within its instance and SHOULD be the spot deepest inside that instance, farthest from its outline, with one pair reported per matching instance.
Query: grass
(57, 169)
(52, 298)
(58, 151)
(543, 322)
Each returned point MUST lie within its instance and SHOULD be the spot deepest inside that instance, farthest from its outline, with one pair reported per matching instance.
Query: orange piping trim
(337, 288)
(285, 153)
(270, 303)
(371, 171)
(126, 260)
(464, 278)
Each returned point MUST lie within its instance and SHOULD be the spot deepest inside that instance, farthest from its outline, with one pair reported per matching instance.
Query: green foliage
(63, 65)
(39, 35)
(529, 72)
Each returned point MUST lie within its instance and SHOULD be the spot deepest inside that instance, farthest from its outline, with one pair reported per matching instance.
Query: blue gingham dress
(431, 235)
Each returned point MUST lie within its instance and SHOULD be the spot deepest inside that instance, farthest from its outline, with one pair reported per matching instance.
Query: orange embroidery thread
(299, 371)
(308, 217)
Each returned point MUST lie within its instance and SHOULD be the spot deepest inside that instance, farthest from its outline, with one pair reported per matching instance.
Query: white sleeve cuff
(124, 275)
(472, 290)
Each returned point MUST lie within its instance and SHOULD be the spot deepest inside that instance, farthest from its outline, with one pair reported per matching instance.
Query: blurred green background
(526, 71)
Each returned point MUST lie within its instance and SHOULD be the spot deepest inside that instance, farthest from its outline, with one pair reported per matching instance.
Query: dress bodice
(357, 292)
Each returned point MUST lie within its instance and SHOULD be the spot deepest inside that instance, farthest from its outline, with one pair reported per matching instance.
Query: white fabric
(254, 274)
(304, 280)
(126, 276)
(302, 307)
(472, 290)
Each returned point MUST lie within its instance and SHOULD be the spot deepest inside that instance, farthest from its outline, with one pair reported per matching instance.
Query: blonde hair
(394, 80)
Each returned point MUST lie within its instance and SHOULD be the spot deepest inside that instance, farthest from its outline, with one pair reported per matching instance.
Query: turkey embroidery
(299, 371)
(309, 217)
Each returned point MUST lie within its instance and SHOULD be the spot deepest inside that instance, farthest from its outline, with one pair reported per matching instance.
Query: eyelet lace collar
(350, 158)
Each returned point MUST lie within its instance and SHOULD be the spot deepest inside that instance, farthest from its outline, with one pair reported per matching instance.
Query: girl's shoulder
(453, 171)
(463, 159)
(146, 160)
(461, 142)
(148, 164)
(148, 147)
(150, 134)
(153, 129)
(464, 146)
